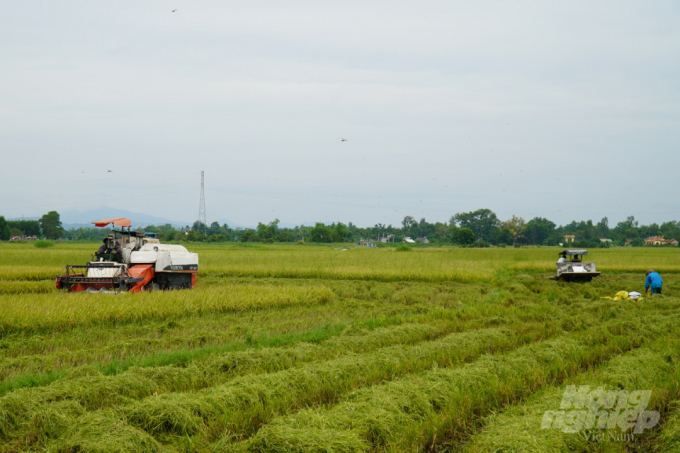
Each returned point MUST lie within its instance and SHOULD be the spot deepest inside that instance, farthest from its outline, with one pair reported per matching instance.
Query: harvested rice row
(95, 391)
(414, 412)
(42, 369)
(244, 403)
(669, 438)
(534, 426)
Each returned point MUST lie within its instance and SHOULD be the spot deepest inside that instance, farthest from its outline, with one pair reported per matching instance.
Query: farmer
(102, 249)
(653, 282)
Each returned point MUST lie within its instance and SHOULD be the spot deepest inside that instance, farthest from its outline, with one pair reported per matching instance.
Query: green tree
(603, 228)
(340, 232)
(628, 229)
(504, 237)
(214, 229)
(462, 236)
(248, 235)
(671, 230)
(267, 233)
(320, 233)
(51, 225)
(408, 222)
(424, 228)
(24, 227)
(5, 230)
(539, 230)
(199, 227)
(441, 232)
(483, 222)
(285, 236)
(515, 227)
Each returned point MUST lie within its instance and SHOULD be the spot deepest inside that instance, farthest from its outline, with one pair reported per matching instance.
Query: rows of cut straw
(155, 341)
(415, 412)
(655, 367)
(215, 370)
(668, 441)
(243, 403)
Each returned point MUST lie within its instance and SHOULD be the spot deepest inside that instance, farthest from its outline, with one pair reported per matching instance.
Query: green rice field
(291, 348)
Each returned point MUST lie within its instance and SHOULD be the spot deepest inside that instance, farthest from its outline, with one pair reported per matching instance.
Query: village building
(660, 240)
(569, 238)
(655, 240)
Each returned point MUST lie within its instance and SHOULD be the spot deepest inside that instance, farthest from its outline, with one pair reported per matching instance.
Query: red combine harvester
(130, 261)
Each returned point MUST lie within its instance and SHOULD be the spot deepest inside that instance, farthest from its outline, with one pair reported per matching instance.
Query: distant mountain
(77, 219)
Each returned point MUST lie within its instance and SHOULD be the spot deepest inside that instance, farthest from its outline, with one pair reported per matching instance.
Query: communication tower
(201, 207)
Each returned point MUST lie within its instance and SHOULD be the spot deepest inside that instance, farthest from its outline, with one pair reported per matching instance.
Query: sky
(568, 110)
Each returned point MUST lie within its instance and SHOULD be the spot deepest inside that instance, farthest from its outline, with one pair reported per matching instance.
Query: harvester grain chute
(130, 261)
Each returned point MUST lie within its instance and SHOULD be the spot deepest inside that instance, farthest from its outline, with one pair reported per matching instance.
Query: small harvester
(129, 261)
(571, 268)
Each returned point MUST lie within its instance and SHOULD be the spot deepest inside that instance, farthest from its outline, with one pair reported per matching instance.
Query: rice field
(336, 349)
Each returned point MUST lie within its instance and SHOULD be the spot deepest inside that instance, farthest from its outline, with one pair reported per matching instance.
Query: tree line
(476, 228)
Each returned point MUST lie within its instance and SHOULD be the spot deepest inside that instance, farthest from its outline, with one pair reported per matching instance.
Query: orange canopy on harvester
(119, 221)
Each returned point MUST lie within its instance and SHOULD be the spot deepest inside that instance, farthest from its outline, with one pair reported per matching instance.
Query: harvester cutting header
(130, 261)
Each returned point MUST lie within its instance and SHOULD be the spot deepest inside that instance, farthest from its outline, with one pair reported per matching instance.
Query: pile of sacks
(624, 295)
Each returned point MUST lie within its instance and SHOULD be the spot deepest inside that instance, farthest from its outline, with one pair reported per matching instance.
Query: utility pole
(201, 206)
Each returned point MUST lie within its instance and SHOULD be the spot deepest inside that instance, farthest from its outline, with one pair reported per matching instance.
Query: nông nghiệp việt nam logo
(585, 409)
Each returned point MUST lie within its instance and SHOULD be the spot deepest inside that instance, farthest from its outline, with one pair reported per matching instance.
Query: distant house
(569, 238)
(408, 240)
(386, 239)
(422, 240)
(606, 241)
(655, 240)
(673, 242)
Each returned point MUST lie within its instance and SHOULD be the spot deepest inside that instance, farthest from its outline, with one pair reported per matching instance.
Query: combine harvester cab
(571, 268)
(130, 261)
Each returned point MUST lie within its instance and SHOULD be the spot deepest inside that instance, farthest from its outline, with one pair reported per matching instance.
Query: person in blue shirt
(653, 282)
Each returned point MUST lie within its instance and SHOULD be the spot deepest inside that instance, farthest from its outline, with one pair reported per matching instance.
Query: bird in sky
(110, 171)
(343, 139)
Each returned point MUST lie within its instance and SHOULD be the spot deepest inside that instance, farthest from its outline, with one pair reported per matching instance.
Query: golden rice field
(287, 348)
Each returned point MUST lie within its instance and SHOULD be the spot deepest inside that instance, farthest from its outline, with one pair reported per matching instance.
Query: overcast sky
(567, 110)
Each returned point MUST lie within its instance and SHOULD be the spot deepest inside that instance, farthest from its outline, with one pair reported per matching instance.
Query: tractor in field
(571, 268)
(129, 261)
